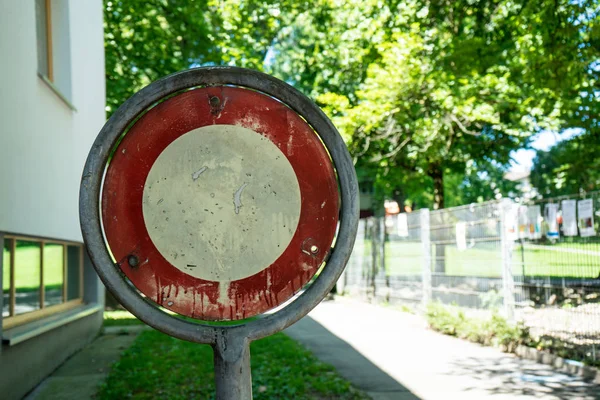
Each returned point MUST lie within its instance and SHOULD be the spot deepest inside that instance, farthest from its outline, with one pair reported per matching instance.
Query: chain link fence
(556, 268)
(538, 263)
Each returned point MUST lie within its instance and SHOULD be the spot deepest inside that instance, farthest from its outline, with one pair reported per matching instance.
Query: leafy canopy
(432, 96)
(441, 84)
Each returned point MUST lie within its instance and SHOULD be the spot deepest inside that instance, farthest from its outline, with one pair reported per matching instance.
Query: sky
(523, 158)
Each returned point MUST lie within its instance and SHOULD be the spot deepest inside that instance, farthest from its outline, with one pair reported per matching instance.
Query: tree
(328, 47)
(437, 92)
(146, 40)
(570, 167)
(447, 82)
(477, 184)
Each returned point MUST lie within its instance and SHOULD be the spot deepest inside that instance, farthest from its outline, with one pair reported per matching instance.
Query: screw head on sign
(133, 261)
(314, 249)
(214, 101)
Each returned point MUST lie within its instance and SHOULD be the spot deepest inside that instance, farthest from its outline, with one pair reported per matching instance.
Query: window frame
(13, 320)
(48, 78)
(48, 37)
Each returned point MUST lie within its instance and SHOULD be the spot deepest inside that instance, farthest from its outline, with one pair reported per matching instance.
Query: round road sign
(220, 203)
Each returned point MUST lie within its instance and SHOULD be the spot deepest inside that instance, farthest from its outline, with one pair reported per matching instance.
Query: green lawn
(159, 366)
(27, 267)
(576, 242)
(120, 318)
(542, 262)
(123, 318)
(404, 258)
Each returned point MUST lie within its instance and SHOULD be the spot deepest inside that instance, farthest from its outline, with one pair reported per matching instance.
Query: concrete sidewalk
(392, 355)
(80, 376)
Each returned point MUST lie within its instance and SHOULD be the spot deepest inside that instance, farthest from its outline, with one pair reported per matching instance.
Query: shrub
(493, 331)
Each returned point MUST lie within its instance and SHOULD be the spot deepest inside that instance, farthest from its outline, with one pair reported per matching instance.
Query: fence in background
(528, 261)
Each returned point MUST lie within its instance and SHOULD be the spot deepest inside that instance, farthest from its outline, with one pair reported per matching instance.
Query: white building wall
(43, 142)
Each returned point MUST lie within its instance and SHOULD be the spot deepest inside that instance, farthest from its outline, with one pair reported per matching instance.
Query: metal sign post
(215, 194)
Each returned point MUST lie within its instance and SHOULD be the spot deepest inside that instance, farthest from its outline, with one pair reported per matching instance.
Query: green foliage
(491, 300)
(481, 181)
(493, 331)
(497, 331)
(431, 96)
(157, 365)
(441, 84)
(566, 350)
(407, 309)
(572, 166)
(146, 40)
(325, 50)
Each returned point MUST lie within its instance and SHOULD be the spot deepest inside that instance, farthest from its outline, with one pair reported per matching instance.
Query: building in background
(366, 192)
(525, 191)
(52, 99)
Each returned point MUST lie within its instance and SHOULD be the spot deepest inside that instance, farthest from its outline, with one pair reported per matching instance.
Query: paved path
(391, 355)
(79, 377)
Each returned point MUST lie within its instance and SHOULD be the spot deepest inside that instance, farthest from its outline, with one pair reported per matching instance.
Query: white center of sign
(221, 203)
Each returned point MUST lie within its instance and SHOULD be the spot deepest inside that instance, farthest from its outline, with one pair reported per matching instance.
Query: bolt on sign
(215, 194)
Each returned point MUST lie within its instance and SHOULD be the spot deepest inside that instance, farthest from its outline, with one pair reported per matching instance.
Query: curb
(589, 374)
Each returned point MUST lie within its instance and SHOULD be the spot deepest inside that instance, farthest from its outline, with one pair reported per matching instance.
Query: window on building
(39, 277)
(53, 46)
(43, 17)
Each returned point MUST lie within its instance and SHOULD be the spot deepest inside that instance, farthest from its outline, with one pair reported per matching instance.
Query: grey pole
(233, 378)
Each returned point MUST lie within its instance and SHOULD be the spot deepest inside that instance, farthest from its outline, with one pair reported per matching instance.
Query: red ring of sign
(126, 231)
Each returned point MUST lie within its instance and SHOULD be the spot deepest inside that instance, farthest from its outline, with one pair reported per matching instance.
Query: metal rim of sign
(253, 254)
(90, 198)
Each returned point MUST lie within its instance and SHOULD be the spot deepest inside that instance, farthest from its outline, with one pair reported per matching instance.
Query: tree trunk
(437, 174)
(399, 197)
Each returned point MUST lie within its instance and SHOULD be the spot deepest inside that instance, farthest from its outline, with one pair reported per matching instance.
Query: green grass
(539, 262)
(159, 366)
(403, 258)
(589, 243)
(27, 267)
(407, 259)
(120, 318)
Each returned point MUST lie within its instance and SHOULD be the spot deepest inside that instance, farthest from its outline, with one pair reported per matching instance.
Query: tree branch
(393, 152)
(463, 128)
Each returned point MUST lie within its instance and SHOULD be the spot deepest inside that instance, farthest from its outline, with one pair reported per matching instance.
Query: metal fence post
(426, 246)
(370, 290)
(506, 248)
(384, 273)
(382, 236)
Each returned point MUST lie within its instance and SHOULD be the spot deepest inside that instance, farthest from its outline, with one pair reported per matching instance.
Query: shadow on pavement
(349, 363)
(522, 378)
